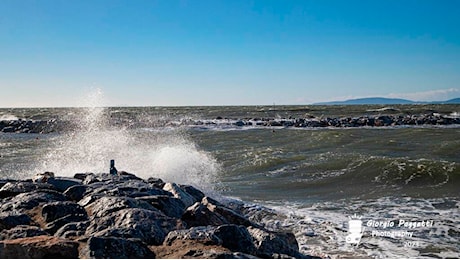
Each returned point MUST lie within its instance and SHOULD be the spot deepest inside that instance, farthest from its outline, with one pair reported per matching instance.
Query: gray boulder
(114, 247)
(179, 193)
(14, 188)
(61, 183)
(38, 247)
(76, 192)
(73, 229)
(271, 244)
(21, 231)
(12, 219)
(29, 200)
(172, 207)
(106, 205)
(55, 210)
(150, 226)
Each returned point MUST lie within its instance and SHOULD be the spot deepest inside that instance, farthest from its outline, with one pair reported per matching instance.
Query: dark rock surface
(375, 118)
(123, 216)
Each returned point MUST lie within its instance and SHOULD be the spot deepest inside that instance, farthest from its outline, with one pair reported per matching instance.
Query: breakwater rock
(310, 121)
(30, 126)
(124, 216)
(55, 125)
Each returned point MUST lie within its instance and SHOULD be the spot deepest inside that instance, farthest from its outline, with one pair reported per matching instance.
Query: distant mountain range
(385, 101)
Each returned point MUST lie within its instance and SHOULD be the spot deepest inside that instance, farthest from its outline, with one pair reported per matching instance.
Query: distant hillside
(369, 101)
(385, 101)
(452, 101)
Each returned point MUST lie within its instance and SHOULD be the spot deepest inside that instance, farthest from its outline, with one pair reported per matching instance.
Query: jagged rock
(179, 193)
(203, 234)
(233, 237)
(73, 229)
(88, 199)
(231, 216)
(29, 200)
(269, 244)
(196, 193)
(236, 238)
(90, 178)
(38, 247)
(172, 207)
(111, 247)
(199, 215)
(42, 177)
(107, 205)
(156, 182)
(129, 176)
(21, 231)
(11, 189)
(115, 211)
(151, 226)
(82, 176)
(53, 226)
(188, 249)
(61, 183)
(11, 219)
(76, 192)
(55, 210)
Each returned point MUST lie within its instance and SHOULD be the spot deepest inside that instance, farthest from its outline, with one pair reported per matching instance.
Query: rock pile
(28, 126)
(48, 126)
(123, 216)
(362, 121)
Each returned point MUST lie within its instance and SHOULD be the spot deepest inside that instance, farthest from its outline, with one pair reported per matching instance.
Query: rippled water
(315, 178)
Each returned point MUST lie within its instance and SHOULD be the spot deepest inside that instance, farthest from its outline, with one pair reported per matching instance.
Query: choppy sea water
(311, 181)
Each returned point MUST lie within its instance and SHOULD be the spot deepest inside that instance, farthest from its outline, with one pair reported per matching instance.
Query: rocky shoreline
(308, 121)
(124, 216)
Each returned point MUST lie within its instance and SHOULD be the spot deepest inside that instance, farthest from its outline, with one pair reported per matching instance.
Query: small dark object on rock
(113, 170)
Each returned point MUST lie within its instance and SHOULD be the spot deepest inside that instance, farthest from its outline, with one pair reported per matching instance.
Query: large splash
(94, 141)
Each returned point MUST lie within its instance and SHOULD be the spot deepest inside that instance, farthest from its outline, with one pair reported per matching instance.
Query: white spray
(163, 153)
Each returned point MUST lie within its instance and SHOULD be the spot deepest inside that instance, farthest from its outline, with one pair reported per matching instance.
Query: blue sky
(168, 53)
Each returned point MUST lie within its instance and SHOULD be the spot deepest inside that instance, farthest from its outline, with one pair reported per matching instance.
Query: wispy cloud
(431, 95)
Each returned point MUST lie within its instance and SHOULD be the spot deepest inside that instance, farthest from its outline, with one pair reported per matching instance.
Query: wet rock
(21, 231)
(236, 238)
(199, 215)
(11, 189)
(150, 226)
(188, 249)
(61, 184)
(11, 219)
(30, 200)
(269, 244)
(82, 176)
(106, 205)
(53, 226)
(196, 193)
(179, 193)
(55, 210)
(76, 192)
(233, 237)
(38, 247)
(111, 247)
(72, 230)
(203, 234)
(228, 214)
(170, 206)
(107, 212)
(156, 182)
(211, 212)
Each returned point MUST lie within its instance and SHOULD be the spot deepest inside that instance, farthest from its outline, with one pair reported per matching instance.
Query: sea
(348, 192)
